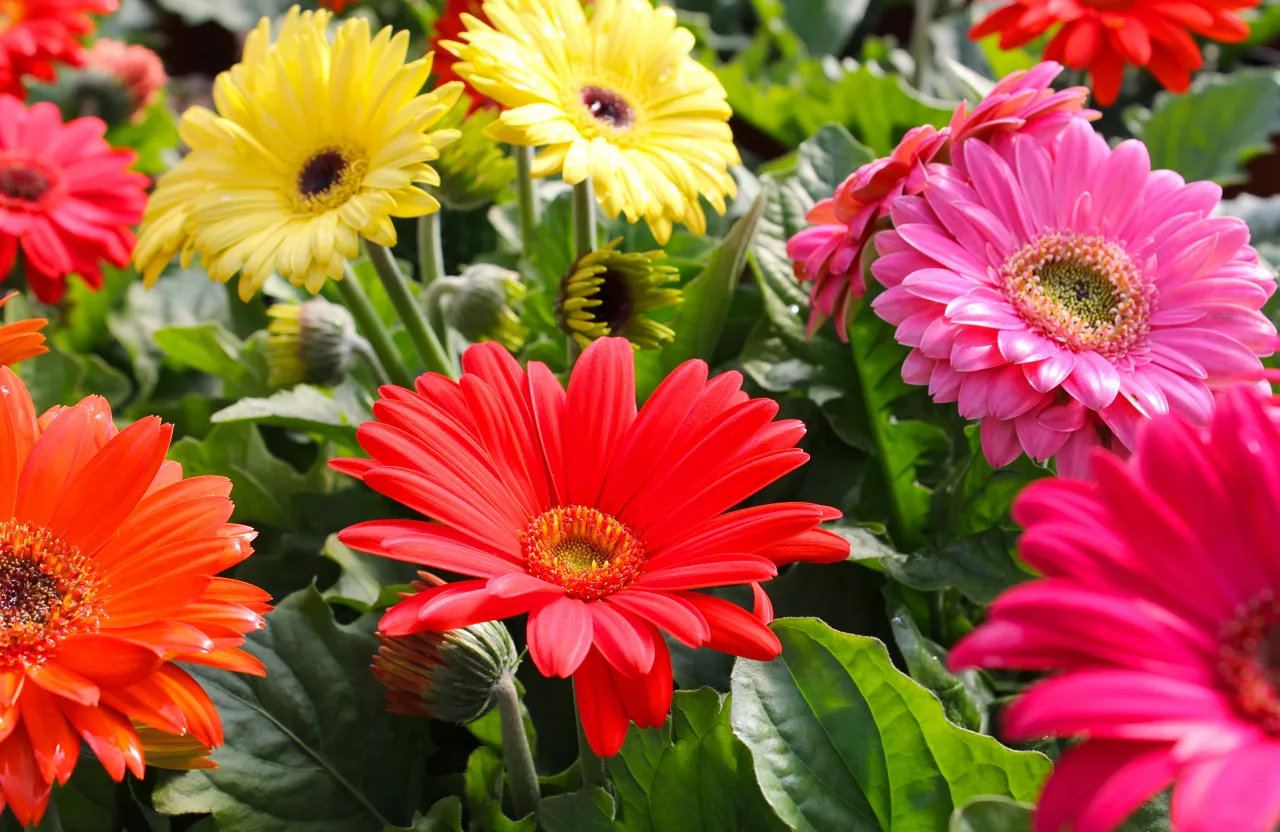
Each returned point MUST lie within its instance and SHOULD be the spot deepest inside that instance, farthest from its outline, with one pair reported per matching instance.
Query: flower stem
(584, 217)
(425, 342)
(921, 47)
(435, 298)
(430, 249)
(361, 308)
(593, 773)
(527, 196)
(525, 792)
(365, 352)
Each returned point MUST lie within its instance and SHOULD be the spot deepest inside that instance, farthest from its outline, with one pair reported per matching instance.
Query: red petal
(734, 630)
(559, 636)
(65, 683)
(599, 706)
(54, 743)
(627, 646)
(26, 791)
(670, 613)
(548, 401)
(647, 698)
(108, 661)
(110, 736)
(600, 409)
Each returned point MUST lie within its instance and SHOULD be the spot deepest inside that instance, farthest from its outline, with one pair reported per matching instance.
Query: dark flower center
(1250, 660)
(608, 107)
(22, 182)
(27, 594)
(322, 173)
(615, 302)
(48, 590)
(585, 551)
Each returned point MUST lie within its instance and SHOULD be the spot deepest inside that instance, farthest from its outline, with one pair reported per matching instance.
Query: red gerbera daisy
(37, 35)
(338, 6)
(65, 195)
(107, 564)
(598, 521)
(1104, 35)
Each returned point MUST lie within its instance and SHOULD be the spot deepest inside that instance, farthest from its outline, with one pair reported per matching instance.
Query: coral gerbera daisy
(1068, 292)
(38, 35)
(830, 252)
(67, 198)
(598, 521)
(314, 145)
(615, 98)
(1159, 612)
(1102, 36)
(20, 340)
(107, 561)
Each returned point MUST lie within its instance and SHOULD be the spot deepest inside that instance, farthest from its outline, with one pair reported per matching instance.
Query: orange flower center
(1081, 291)
(10, 13)
(48, 590)
(1249, 660)
(587, 552)
(23, 182)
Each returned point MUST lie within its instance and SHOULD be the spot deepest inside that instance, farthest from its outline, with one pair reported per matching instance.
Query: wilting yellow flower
(314, 144)
(608, 291)
(614, 97)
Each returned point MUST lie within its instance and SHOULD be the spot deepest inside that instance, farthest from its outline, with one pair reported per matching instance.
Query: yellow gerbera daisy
(314, 144)
(615, 97)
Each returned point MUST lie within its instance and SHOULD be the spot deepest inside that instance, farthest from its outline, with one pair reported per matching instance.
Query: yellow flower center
(329, 177)
(587, 552)
(48, 591)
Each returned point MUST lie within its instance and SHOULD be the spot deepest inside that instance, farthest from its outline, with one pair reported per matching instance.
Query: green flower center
(1079, 289)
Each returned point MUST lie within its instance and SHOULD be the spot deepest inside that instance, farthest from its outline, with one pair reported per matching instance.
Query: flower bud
(177, 752)
(607, 292)
(135, 70)
(482, 306)
(313, 342)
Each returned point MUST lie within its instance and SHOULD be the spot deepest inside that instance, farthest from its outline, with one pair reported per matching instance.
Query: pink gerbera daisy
(830, 252)
(1065, 292)
(1159, 610)
(67, 197)
(597, 521)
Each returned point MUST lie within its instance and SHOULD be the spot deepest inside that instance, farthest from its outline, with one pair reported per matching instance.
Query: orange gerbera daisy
(1104, 35)
(20, 340)
(107, 564)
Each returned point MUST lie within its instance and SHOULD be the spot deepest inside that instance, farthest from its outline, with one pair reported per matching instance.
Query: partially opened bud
(449, 676)
(312, 342)
(609, 292)
(473, 170)
(481, 308)
(177, 752)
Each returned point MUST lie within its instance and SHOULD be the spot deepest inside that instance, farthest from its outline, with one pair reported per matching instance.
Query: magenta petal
(975, 349)
(1040, 442)
(980, 312)
(917, 368)
(1100, 783)
(1094, 381)
(1020, 346)
(1063, 418)
(1048, 374)
(1000, 443)
(1238, 791)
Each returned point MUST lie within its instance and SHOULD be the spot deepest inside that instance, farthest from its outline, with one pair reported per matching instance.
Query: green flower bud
(473, 170)
(312, 342)
(608, 291)
(481, 306)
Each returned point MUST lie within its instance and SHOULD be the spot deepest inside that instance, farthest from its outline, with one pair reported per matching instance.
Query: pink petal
(1000, 444)
(1048, 374)
(1238, 791)
(1021, 346)
(1094, 381)
(1100, 783)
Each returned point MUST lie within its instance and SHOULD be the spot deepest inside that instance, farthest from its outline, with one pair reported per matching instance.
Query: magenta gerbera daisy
(67, 198)
(1159, 608)
(829, 252)
(1064, 292)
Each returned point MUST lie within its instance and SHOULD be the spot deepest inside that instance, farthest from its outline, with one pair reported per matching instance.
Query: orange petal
(173, 637)
(10, 686)
(55, 743)
(26, 791)
(147, 704)
(110, 735)
(63, 682)
(58, 454)
(108, 661)
(145, 603)
(17, 435)
(202, 716)
(230, 658)
(153, 526)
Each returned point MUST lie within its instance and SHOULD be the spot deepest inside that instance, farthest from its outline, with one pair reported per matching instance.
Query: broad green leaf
(309, 748)
(701, 318)
(485, 788)
(1210, 131)
(902, 446)
(692, 775)
(587, 810)
(85, 325)
(213, 349)
(263, 486)
(302, 408)
(992, 814)
(975, 497)
(1152, 816)
(980, 565)
(59, 377)
(367, 582)
(445, 816)
(842, 740)
(824, 25)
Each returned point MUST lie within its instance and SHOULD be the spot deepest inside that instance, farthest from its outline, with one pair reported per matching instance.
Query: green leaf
(992, 814)
(975, 497)
(153, 138)
(212, 348)
(691, 775)
(587, 810)
(85, 325)
(309, 748)
(58, 377)
(263, 486)
(824, 25)
(445, 816)
(303, 408)
(702, 316)
(367, 582)
(842, 740)
(1210, 131)
(484, 790)
(981, 566)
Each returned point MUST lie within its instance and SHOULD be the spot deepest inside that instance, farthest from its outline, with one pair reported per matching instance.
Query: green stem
(921, 47)
(425, 342)
(364, 351)
(593, 773)
(584, 218)
(525, 792)
(434, 299)
(527, 196)
(370, 325)
(430, 249)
